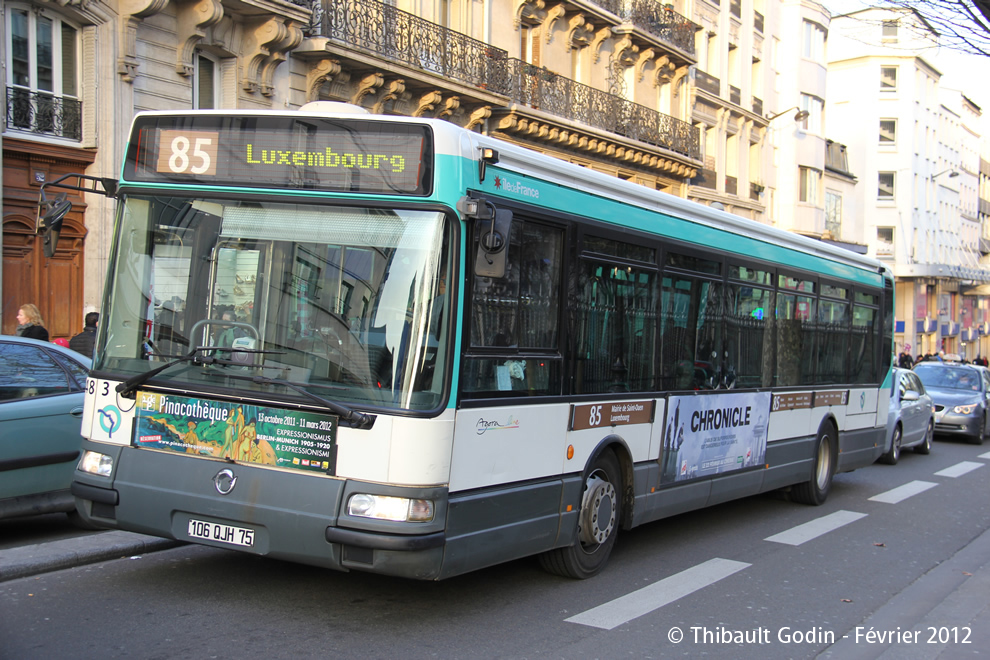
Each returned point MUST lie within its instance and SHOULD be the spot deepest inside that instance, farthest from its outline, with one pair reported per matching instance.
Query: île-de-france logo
(109, 419)
(485, 425)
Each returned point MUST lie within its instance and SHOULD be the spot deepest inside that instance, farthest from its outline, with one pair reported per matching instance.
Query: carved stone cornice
(367, 85)
(265, 44)
(394, 92)
(641, 62)
(450, 105)
(478, 117)
(598, 41)
(193, 19)
(320, 74)
(132, 12)
(428, 103)
(530, 12)
(580, 32)
(554, 14)
(532, 129)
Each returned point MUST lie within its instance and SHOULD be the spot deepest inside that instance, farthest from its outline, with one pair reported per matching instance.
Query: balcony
(544, 90)
(42, 113)
(662, 22)
(404, 38)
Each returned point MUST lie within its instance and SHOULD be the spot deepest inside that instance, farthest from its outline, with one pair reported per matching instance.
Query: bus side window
(514, 320)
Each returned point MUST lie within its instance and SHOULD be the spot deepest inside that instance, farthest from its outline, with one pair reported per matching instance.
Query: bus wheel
(598, 523)
(815, 490)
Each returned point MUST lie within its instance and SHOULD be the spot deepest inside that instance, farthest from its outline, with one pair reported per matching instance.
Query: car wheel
(894, 453)
(598, 523)
(978, 438)
(815, 490)
(926, 445)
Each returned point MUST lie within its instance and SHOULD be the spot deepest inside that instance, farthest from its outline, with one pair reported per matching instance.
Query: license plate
(200, 529)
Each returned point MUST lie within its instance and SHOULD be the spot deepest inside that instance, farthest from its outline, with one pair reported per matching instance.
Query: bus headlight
(384, 507)
(965, 410)
(96, 463)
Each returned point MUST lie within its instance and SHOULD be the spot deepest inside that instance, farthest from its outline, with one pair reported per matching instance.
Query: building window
(809, 185)
(42, 74)
(885, 240)
(813, 122)
(888, 79)
(833, 214)
(889, 30)
(205, 85)
(885, 185)
(814, 42)
(888, 131)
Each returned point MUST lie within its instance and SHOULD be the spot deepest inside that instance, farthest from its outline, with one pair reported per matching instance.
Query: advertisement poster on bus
(246, 433)
(714, 434)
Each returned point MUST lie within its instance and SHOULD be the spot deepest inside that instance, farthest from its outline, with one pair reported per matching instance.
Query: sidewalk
(952, 601)
(44, 557)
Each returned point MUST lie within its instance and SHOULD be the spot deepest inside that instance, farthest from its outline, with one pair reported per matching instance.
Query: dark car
(41, 406)
(960, 392)
(910, 418)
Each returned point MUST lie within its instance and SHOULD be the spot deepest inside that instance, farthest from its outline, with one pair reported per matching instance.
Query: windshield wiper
(129, 386)
(357, 419)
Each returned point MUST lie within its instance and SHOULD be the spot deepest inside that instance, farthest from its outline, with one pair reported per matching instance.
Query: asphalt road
(897, 553)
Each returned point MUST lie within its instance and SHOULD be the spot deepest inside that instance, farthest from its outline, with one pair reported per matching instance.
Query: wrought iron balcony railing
(662, 22)
(43, 113)
(408, 39)
(545, 90)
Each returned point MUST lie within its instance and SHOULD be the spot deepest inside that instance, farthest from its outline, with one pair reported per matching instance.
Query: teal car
(41, 406)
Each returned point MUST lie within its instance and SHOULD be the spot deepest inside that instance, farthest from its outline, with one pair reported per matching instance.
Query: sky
(960, 71)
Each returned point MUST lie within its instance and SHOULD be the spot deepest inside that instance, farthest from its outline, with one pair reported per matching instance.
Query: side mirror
(493, 244)
(910, 395)
(51, 223)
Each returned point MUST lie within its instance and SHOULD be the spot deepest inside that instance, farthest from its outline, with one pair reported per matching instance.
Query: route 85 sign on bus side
(241, 432)
(714, 434)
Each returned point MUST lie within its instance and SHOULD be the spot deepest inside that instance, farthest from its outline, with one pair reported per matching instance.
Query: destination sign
(338, 155)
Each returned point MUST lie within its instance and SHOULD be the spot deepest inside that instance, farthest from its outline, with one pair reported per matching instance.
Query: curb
(45, 557)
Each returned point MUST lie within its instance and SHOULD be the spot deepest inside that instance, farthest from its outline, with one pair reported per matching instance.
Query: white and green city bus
(389, 344)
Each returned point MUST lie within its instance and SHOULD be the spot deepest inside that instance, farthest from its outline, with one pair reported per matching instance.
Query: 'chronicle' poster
(713, 434)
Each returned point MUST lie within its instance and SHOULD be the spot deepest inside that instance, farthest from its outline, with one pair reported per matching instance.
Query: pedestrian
(30, 324)
(83, 342)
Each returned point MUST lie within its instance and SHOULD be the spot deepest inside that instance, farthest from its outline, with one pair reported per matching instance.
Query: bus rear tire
(815, 490)
(598, 523)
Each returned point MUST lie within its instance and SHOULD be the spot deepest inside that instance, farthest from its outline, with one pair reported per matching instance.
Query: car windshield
(953, 378)
(350, 302)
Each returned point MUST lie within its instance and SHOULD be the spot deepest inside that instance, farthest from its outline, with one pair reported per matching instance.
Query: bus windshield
(348, 302)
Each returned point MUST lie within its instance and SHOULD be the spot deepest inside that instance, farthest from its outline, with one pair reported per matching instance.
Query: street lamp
(800, 115)
(953, 173)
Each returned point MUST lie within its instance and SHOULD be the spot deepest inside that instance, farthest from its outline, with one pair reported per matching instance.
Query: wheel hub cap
(597, 511)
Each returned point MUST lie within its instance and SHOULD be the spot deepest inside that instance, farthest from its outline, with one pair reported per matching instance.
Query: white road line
(959, 469)
(815, 528)
(643, 601)
(901, 493)
(986, 456)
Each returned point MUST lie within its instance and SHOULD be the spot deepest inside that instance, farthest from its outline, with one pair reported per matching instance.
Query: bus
(390, 344)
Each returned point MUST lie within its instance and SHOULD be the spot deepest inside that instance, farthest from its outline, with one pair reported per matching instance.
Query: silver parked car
(911, 419)
(962, 398)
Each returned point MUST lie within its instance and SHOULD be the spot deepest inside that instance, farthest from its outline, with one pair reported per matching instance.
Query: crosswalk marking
(815, 528)
(901, 493)
(986, 456)
(643, 601)
(959, 469)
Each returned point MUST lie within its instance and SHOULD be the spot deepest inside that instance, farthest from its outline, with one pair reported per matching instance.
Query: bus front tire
(598, 523)
(815, 490)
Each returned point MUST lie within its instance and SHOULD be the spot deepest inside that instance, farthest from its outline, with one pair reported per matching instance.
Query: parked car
(962, 398)
(41, 406)
(911, 417)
